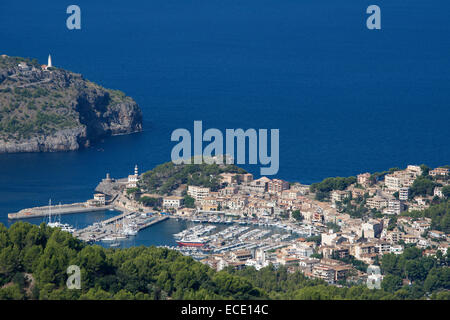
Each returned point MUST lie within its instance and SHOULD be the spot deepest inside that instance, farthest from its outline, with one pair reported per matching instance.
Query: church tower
(49, 64)
(136, 170)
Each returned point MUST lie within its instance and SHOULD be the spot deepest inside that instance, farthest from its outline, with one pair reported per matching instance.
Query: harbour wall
(80, 207)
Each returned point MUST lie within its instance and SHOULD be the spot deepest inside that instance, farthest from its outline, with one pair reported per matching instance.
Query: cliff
(57, 110)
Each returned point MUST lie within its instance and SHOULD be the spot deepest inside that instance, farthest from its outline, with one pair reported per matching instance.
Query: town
(330, 230)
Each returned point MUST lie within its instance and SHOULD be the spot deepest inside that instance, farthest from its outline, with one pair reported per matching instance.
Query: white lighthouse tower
(49, 63)
(133, 178)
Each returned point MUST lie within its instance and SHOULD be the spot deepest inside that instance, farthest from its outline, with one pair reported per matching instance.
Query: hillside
(166, 177)
(57, 110)
(34, 261)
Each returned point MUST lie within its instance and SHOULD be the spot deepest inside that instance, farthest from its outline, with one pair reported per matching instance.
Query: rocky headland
(50, 109)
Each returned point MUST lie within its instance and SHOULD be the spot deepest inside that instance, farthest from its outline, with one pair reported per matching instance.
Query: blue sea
(346, 99)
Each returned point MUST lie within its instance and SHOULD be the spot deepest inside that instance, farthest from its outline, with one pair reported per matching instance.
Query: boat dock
(43, 211)
(116, 227)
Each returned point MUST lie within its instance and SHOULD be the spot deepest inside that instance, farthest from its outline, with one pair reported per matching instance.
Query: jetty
(114, 228)
(80, 207)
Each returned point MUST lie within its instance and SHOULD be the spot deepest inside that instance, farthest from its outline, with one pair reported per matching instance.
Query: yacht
(57, 224)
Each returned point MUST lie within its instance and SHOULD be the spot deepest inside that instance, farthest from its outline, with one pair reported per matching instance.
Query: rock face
(57, 110)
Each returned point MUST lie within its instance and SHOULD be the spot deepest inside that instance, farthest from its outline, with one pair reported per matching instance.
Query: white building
(392, 182)
(438, 192)
(198, 193)
(172, 202)
(339, 196)
(403, 193)
(394, 207)
(101, 198)
(133, 178)
(416, 170)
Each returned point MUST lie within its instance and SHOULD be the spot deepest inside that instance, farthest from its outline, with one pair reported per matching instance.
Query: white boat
(129, 231)
(108, 238)
(57, 224)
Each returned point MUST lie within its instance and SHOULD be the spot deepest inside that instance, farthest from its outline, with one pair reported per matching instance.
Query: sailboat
(57, 224)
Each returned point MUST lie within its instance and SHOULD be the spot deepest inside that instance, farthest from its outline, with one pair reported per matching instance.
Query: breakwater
(81, 207)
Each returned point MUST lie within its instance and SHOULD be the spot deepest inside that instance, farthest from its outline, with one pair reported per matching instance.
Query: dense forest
(34, 261)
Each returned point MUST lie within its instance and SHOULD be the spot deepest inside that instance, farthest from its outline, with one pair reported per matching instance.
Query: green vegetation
(189, 202)
(439, 214)
(167, 177)
(374, 177)
(150, 201)
(297, 215)
(322, 189)
(132, 190)
(422, 186)
(36, 103)
(446, 191)
(34, 260)
(428, 275)
(356, 209)
(135, 273)
(282, 284)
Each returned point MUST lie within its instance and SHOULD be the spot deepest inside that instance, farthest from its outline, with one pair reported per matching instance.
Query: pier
(115, 228)
(43, 211)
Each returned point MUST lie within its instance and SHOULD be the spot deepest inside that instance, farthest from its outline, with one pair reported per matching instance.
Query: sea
(346, 99)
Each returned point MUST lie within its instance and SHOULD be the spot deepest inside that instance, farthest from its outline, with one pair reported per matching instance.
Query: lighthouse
(133, 178)
(49, 63)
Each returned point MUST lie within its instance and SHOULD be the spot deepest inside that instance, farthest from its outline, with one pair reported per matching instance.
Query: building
(324, 272)
(339, 196)
(230, 178)
(173, 202)
(48, 65)
(416, 170)
(437, 234)
(99, 200)
(23, 66)
(198, 193)
(382, 247)
(377, 203)
(439, 172)
(247, 178)
(290, 194)
(398, 179)
(371, 229)
(364, 179)
(403, 193)
(133, 178)
(394, 207)
(392, 182)
(259, 185)
(438, 192)
(365, 252)
(241, 255)
(277, 185)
